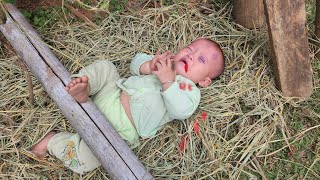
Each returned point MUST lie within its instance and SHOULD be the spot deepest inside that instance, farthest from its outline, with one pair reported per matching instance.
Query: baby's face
(197, 61)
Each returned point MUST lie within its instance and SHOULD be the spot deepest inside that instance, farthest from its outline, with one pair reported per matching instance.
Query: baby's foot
(40, 148)
(78, 88)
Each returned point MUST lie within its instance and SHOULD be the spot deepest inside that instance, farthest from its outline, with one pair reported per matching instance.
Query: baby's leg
(41, 147)
(73, 151)
(70, 149)
(78, 88)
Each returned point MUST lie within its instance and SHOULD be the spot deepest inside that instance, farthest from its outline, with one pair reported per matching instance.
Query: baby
(162, 88)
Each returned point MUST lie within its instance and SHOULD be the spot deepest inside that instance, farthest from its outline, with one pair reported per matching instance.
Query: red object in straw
(183, 143)
(204, 116)
(196, 127)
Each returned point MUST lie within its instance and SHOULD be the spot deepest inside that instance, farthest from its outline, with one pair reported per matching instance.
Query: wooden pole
(110, 149)
(317, 26)
(288, 35)
(249, 13)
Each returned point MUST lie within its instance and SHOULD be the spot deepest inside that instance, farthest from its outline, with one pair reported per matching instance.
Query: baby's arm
(162, 68)
(142, 64)
(149, 66)
(181, 102)
(138, 61)
(145, 68)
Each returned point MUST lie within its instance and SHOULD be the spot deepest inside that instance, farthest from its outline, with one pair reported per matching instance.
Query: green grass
(305, 149)
(295, 164)
(10, 1)
(42, 18)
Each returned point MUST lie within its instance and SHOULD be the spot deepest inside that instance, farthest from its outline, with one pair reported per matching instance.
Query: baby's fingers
(158, 52)
(159, 65)
(165, 55)
(169, 62)
(153, 63)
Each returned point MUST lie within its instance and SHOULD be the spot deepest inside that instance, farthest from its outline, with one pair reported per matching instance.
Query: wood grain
(288, 35)
(249, 13)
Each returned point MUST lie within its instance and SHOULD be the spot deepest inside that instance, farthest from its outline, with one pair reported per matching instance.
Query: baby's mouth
(185, 66)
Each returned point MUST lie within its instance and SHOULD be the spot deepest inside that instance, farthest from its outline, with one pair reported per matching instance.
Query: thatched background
(247, 115)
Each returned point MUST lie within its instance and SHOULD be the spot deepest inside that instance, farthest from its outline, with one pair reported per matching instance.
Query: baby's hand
(159, 57)
(163, 69)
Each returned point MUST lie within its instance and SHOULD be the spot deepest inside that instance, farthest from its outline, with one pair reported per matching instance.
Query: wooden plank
(127, 165)
(249, 13)
(288, 35)
(39, 44)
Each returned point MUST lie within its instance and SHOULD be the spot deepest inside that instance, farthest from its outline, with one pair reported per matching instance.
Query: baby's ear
(205, 83)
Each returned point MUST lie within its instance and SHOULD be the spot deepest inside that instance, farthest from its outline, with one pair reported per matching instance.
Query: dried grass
(244, 108)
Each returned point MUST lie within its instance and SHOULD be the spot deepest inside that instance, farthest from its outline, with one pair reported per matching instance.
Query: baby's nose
(190, 57)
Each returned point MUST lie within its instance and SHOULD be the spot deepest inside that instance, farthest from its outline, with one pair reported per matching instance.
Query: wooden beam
(249, 13)
(288, 35)
(110, 149)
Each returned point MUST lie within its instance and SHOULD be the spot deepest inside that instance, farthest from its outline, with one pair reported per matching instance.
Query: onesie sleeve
(181, 101)
(137, 61)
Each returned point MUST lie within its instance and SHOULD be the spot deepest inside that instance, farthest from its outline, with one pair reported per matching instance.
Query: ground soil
(33, 4)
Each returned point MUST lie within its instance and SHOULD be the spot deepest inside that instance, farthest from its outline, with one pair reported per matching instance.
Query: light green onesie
(150, 108)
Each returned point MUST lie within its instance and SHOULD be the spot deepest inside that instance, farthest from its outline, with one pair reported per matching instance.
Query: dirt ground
(33, 4)
(133, 4)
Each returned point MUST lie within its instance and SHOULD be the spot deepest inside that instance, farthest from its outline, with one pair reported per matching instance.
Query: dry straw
(244, 109)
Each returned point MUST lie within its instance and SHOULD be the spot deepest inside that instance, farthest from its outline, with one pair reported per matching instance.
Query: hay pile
(244, 109)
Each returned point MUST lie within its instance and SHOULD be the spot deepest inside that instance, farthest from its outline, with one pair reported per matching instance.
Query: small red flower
(204, 116)
(186, 67)
(196, 127)
(189, 87)
(183, 143)
(183, 86)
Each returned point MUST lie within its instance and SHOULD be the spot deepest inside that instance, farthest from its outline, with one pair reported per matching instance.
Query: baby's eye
(202, 60)
(189, 48)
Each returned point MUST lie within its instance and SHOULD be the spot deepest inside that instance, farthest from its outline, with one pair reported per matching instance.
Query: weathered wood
(38, 43)
(249, 13)
(288, 35)
(113, 153)
(317, 25)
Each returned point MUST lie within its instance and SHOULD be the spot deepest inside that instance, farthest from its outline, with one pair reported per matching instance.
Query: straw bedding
(244, 109)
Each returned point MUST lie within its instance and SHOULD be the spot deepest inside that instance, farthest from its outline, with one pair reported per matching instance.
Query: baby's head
(201, 61)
